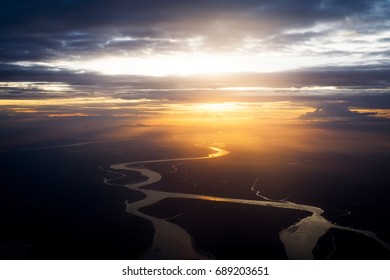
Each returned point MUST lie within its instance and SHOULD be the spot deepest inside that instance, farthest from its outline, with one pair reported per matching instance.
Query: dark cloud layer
(335, 111)
(88, 15)
(48, 29)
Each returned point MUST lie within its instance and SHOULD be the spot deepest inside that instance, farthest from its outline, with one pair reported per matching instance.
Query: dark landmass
(54, 205)
(228, 230)
(341, 245)
(132, 177)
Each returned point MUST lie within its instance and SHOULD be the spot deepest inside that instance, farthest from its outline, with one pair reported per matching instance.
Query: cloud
(46, 30)
(335, 112)
(332, 81)
(68, 15)
(343, 115)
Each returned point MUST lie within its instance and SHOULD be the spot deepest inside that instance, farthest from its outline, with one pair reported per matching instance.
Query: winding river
(172, 242)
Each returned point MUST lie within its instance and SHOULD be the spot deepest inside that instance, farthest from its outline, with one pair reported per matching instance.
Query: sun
(222, 107)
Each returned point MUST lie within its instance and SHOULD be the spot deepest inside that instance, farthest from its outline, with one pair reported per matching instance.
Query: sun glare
(162, 65)
(217, 107)
(181, 64)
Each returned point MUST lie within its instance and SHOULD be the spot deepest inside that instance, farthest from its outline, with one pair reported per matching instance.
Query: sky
(146, 63)
(180, 37)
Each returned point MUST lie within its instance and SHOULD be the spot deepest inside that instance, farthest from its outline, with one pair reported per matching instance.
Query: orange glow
(226, 112)
(218, 107)
(159, 112)
(383, 113)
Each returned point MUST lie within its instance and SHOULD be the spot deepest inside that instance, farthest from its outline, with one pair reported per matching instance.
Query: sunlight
(162, 65)
(183, 64)
(218, 107)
